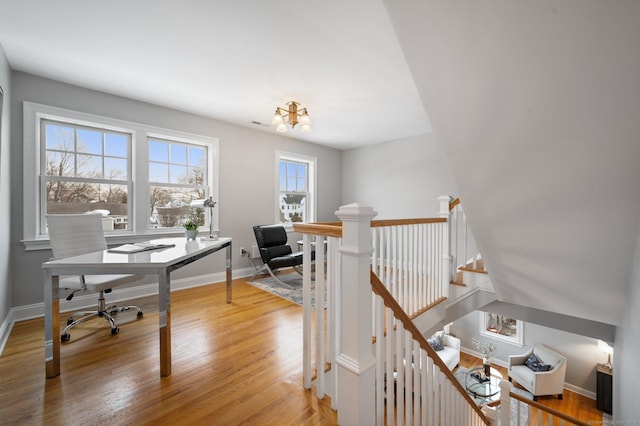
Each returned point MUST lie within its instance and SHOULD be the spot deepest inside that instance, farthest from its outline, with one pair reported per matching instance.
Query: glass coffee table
(484, 391)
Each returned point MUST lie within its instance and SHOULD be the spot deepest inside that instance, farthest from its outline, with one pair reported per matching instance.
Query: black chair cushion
(293, 259)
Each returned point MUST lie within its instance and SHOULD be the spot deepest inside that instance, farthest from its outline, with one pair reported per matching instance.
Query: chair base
(106, 312)
(265, 269)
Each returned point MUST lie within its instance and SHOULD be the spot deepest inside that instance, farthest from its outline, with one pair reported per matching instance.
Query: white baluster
(306, 311)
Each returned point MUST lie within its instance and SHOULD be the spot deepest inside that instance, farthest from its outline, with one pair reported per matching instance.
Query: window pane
(158, 172)
(196, 156)
(116, 145)
(177, 174)
(178, 154)
(302, 170)
(158, 151)
(59, 137)
(195, 176)
(82, 197)
(115, 168)
(291, 170)
(291, 183)
(302, 184)
(60, 164)
(89, 166)
(89, 141)
(170, 206)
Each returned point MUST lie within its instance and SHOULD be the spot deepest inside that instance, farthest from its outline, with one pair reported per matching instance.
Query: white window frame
(33, 113)
(312, 165)
(517, 340)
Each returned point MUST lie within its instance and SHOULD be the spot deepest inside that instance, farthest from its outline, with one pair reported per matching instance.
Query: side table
(604, 388)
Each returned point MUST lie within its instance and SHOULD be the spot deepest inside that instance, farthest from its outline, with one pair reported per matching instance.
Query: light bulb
(305, 119)
(305, 128)
(277, 119)
(281, 127)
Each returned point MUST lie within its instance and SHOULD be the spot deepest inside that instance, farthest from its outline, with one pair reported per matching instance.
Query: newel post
(447, 270)
(356, 362)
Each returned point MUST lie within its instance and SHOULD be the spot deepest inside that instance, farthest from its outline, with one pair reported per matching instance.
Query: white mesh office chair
(75, 234)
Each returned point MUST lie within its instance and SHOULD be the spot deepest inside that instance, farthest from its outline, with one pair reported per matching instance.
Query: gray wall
(625, 353)
(5, 190)
(582, 352)
(399, 179)
(247, 167)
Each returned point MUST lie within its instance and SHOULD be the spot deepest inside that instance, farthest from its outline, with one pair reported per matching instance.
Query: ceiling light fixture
(292, 115)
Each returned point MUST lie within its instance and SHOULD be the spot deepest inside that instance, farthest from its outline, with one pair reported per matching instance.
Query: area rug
(268, 284)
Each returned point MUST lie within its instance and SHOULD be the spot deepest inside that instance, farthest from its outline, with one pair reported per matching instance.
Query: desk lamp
(210, 204)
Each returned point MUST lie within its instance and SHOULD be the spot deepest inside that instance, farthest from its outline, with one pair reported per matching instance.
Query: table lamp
(607, 349)
(210, 204)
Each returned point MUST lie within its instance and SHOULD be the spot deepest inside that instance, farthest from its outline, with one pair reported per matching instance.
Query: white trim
(5, 329)
(312, 177)
(501, 363)
(34, 112)
(515, 341)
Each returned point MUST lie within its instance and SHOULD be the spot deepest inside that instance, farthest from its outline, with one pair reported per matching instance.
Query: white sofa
(539, 382)
(450, 354)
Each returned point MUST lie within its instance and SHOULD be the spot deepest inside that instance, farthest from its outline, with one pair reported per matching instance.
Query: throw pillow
(535, 364)
(436, 342)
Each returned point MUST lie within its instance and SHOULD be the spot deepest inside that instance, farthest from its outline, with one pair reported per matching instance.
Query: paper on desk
(138, 247)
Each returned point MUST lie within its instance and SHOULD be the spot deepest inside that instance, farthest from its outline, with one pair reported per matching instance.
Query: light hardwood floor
(232, 364)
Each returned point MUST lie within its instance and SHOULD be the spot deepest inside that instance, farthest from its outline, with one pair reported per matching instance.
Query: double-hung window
(141, 179)
(177, 176)
(296, 188)
(85, 169)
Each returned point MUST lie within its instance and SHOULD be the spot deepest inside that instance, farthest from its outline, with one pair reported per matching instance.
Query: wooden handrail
(399, 222)
(334, 229)
(319, 229)
(548, 410)
(391, 303)
(454, 203)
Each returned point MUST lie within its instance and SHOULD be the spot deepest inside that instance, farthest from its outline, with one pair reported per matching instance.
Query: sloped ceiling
(536, 108)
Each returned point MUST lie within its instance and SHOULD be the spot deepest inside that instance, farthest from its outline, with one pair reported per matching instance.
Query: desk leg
(164, 309)
(229, 273)
(51, 325)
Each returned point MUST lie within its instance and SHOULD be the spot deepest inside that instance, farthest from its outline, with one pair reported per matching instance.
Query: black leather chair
(274, 251)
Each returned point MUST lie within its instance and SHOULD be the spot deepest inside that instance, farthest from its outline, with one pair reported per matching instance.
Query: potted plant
(190, 229)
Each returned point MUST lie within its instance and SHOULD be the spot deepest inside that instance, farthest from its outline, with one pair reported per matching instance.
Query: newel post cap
(355, 211)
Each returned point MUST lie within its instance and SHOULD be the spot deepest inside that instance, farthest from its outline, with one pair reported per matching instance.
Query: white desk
(160, 262)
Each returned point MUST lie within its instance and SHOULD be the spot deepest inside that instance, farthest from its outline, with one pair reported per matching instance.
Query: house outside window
(142, 179)
(296, 188)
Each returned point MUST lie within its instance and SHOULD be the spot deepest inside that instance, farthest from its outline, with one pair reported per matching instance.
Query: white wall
(626, 351)
(247, 172)
(5, 190)
(582, 352)
(399, 179)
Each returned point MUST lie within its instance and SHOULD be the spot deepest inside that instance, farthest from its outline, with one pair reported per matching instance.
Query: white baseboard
(5, 330)
(88, 301)
(501, 363)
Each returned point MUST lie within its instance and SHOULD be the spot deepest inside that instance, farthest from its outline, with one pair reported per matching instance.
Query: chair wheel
(69, 320)
(140, 314)
(115, 331)
(65, 337)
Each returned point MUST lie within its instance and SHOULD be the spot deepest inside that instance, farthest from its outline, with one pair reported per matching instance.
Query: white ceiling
(233, 60)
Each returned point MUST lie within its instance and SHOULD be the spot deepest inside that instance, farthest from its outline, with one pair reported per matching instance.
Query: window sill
(112, 239)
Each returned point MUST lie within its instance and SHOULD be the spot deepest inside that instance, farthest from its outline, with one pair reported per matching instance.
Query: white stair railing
(464, 249)
(408, 257)
(339, 357)
(413, 385)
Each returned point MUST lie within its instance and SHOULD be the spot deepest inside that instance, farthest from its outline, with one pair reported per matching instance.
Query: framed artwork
(501, 327)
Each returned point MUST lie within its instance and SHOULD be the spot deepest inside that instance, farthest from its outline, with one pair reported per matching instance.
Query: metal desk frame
(160, 262)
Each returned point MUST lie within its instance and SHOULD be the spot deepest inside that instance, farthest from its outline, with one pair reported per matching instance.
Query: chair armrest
(519, 359)
(452, 342)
